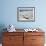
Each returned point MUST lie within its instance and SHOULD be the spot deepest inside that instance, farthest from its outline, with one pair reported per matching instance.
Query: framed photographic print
(26, 14)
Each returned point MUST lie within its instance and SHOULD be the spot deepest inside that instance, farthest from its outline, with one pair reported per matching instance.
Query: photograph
(26, 14)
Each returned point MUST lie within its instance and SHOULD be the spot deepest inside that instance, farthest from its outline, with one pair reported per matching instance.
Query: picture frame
(26, 14)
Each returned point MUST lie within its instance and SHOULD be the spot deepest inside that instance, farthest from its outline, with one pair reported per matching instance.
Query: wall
(9, 13)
